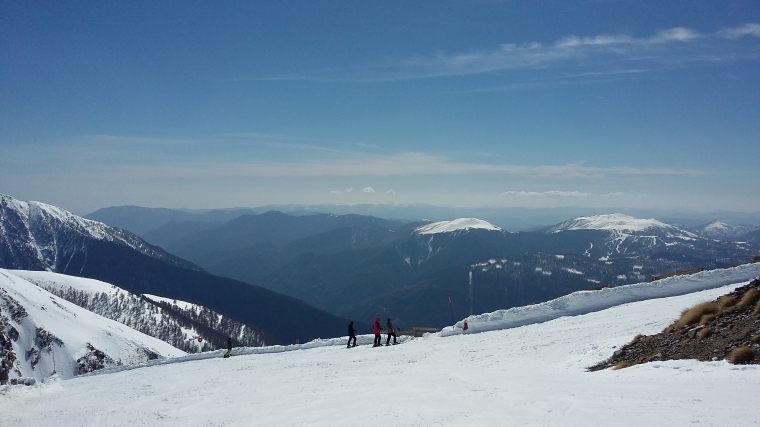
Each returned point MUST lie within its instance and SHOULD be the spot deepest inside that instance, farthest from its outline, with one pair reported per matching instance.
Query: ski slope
(528, 375)
(53, 335)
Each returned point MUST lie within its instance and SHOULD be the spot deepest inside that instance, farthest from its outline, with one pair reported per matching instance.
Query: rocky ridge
(725, 329)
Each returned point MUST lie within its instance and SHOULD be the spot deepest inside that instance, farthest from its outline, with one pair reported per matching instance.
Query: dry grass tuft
(621, 365)
(704, 333)
(637, 337)
(726, 301)
(756, 338)
(692, 315)
(741, 355)
(757, 308)
(750, 298)
(706, 319)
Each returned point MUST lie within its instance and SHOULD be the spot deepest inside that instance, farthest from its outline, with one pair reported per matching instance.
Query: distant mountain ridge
(62, 242)
(357, 266)
(38, 236)
(140, 220)
(622, 224)
(720, 230)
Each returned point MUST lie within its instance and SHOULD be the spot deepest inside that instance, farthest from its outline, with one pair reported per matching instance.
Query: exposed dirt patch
(707, 332)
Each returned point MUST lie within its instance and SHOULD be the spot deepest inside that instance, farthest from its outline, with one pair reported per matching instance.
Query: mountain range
(36, 236)
(354, 265)
(360, 267)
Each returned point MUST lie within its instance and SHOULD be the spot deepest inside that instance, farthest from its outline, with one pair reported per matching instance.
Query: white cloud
(368, 190)
(391, 191)
(557, 194)
(533, 55)
(752, 29)
(677, 34)
(402, 164)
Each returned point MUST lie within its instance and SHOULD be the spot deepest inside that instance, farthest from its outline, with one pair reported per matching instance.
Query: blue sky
(469, 104)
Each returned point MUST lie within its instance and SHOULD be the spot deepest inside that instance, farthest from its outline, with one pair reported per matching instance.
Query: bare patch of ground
(725, 329)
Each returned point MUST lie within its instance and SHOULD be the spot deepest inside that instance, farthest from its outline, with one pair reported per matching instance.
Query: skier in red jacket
(376, 329)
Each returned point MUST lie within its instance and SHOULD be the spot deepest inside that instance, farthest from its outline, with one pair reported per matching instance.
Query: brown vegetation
(694, 314)
(621, 365)
(725, 302)
(741, 355)
(724, 329)
(750, 298)
(704, 333)
(706, 319)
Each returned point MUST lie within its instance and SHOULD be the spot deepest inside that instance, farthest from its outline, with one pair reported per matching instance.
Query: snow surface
(532, 375)
(74, 326)
(456, 225)
(620, 223)
(62, 281)
(179, 303)
(129, 309)
(721, 230)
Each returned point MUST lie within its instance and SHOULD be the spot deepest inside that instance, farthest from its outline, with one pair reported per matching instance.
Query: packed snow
(529, 375)
(456, 225)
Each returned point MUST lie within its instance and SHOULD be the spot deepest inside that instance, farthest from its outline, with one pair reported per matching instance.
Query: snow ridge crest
(456, 225)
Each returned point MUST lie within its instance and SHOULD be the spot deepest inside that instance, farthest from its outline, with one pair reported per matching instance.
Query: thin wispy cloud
(404, 164)
(665, 46)
(369, 190)
(745, 30)
(558, 194)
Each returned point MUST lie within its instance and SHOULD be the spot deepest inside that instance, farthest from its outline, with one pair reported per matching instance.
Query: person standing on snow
(229, 348)
(391, 331)
(376, 329)
(351, 335)
(3, 373)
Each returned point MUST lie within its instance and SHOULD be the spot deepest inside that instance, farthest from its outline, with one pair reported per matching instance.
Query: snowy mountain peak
(720, 230)
(39, 236)
(620, 223)
(717, 225)
(456, 225)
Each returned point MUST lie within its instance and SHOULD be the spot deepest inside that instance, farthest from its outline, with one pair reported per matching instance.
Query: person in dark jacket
(3, 374)
(229, 347)
(391, 332)
(376, 329)
(351, 335)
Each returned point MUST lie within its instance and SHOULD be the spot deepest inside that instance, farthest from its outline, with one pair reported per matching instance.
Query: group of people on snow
(376, 329)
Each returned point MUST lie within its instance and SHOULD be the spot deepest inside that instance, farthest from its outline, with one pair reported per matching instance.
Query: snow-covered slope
(583, 302)
(616, 235)
(531, 375)
(38, 236)
(722, 231)
(43, 334)
(623, 224)
(456, 225)
(176, 322)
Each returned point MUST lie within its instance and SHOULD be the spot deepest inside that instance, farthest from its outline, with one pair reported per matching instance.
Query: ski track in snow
(532, 375)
